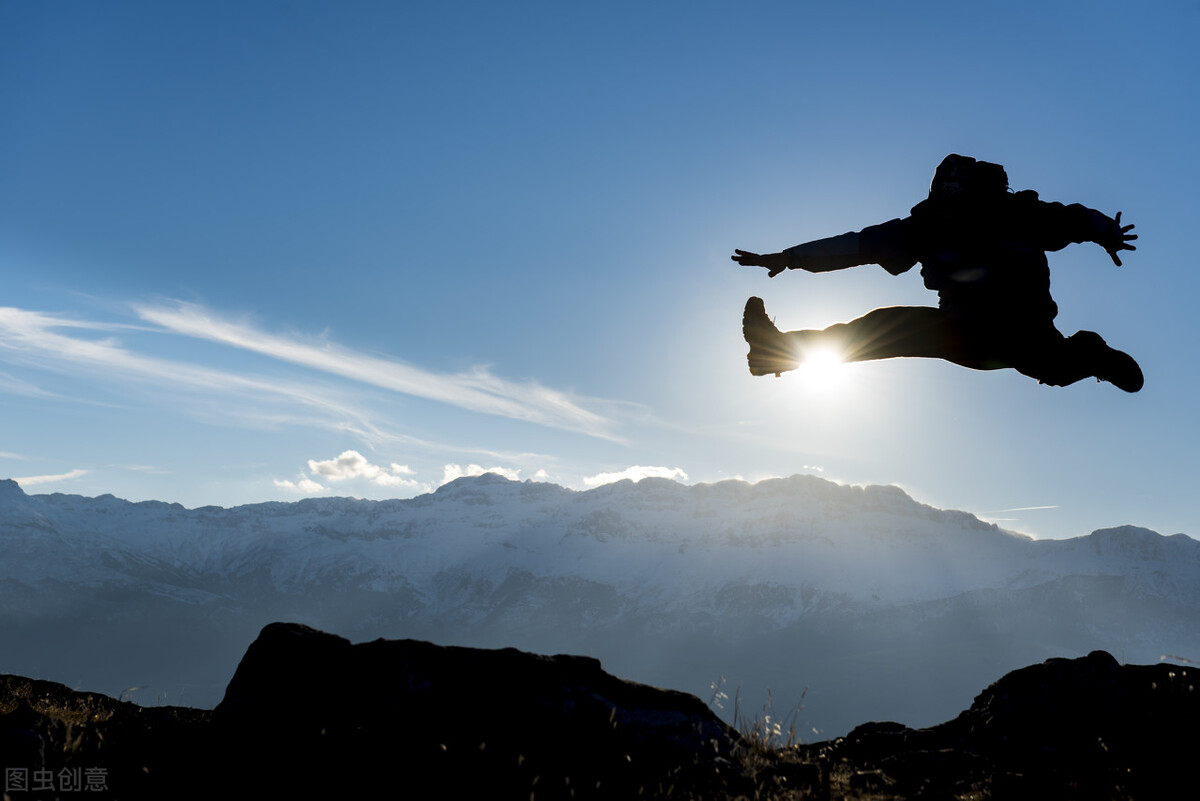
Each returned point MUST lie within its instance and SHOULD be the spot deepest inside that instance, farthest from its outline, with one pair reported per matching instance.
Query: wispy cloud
(83, 349)
(38, 339)
(30, 481)
(477, 391)
(1019, 509)
(15, 386)
(149, 469)
(636, 473)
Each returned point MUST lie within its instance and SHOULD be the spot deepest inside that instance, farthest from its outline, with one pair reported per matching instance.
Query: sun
(823, 371)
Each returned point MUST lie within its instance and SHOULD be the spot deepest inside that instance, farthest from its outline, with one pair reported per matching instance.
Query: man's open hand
(1118, 239)
(774, 262)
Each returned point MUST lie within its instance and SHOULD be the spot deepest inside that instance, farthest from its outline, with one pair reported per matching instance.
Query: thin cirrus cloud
(477, 391)
(57, 343)
(30, 481)
(50, 342)
(1020, 509)
(15, 386)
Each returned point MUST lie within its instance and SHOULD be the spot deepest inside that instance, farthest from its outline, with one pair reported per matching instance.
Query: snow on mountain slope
(886, 608)
(671, 543)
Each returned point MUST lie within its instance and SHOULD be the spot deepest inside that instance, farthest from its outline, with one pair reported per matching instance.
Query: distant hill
(878, 606)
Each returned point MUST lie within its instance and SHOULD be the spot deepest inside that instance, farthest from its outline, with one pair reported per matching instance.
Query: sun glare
(822, 371)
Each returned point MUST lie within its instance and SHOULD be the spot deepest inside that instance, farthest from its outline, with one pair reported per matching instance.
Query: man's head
(962, 177)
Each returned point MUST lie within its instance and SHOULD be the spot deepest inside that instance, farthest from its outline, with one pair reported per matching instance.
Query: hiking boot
(1108, 364)
(1121, 371)
(769, 348)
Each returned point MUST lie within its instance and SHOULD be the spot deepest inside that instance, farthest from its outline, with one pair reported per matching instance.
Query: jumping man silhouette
(983, 250)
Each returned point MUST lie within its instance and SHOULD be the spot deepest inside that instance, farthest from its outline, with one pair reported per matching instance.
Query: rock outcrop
(310, 715)
(481, 723)
(1087, 728)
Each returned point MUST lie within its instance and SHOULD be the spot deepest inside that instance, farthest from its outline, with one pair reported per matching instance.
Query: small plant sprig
(766, 731)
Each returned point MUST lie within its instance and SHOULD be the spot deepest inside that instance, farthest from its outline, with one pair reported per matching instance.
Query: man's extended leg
(888, 333)
(1084, 354)
(1040, 352)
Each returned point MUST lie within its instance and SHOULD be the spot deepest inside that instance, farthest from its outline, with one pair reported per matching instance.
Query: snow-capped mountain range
(791, 583)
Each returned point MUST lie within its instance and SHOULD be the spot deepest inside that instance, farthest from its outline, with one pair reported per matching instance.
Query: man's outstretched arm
(1062, 225)
(885, 244)
(820, 256)
(774, 262)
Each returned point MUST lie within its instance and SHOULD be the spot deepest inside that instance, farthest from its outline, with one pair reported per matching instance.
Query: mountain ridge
(671, 584)
(807, 513)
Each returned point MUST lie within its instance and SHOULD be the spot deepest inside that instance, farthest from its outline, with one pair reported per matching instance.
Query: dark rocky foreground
(308, 715)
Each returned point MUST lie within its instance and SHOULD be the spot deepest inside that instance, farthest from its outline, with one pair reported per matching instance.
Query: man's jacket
(985, 259)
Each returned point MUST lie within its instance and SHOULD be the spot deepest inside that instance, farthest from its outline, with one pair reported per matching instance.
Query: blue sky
(257, 251)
